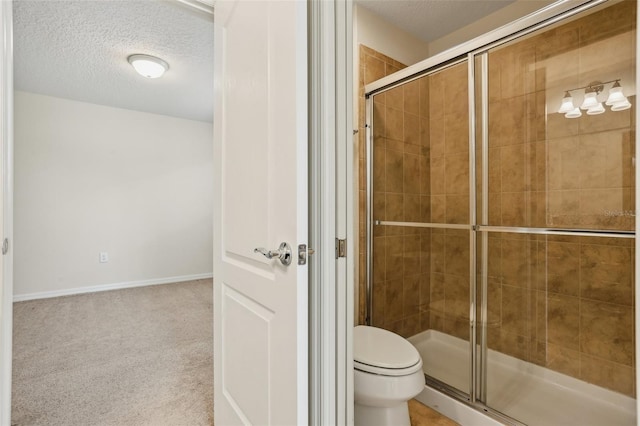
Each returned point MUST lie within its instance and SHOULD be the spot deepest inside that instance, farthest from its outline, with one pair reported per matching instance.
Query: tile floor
(421, 415)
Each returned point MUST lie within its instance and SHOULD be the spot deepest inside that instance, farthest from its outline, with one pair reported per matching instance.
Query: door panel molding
(246, 361)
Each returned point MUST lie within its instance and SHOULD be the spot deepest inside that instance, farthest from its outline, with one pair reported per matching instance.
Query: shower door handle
(283, 253)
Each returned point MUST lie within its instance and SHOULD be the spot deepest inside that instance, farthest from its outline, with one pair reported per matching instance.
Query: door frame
(6, 158)
(332, 154)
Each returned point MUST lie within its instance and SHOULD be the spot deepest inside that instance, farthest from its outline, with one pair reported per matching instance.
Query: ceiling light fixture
(148, 66)
(616, 100)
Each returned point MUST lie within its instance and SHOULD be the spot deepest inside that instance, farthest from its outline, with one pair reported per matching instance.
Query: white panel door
(260, 139)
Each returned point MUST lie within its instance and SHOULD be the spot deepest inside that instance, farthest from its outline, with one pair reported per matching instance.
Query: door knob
(283, 253)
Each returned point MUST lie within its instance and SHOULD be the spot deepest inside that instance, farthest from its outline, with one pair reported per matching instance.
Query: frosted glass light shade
(148, 66)
(590, 100)
(598, 109)
(621, 106)
(567, 104)
(615, 95)
(574, 114)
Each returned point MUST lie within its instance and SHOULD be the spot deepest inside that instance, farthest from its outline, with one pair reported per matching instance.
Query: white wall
(374, 32)
(90, 178)
(490, 22)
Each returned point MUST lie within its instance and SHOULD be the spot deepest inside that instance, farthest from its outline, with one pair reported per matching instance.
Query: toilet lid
(382, 349)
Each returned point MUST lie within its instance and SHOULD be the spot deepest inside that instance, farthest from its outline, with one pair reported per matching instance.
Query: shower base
(526, 392)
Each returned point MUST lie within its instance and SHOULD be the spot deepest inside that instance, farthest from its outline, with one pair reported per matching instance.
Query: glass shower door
(556, 218)
(420, 217)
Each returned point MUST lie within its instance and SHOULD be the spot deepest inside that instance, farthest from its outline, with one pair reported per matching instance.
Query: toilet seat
(382, 352)
(393, 372)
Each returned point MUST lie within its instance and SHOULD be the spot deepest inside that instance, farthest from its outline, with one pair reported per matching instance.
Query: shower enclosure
(500, 231)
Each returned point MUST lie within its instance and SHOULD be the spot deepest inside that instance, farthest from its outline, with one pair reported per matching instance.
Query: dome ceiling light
(148, 66)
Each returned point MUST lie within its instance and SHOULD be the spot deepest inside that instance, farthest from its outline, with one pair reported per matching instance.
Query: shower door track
(449, 390)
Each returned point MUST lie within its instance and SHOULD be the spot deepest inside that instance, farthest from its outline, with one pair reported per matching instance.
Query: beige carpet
(139, 356)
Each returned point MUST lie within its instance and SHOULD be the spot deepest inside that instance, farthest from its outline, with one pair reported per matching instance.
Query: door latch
(303, 252)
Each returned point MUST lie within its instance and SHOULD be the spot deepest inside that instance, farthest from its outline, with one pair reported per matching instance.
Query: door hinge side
(341, 248)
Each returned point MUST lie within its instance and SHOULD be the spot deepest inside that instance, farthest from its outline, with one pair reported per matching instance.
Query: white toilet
(388, 373)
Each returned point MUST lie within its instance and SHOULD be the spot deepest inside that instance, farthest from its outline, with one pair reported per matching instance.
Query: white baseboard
(106, 287)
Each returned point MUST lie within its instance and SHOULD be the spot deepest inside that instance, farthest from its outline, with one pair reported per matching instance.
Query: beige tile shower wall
(590, 176)
(401, 193)
(565, 303)
(449, 182)
(373, 66)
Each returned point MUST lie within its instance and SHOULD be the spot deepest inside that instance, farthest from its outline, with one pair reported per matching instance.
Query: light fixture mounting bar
(595, 86)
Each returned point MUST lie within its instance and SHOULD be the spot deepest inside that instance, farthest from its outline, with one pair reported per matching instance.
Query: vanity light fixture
(574, 113)
(615, 94)
(567, 104)
(596, 109)
(621, 106)
(616, 100)
(590, 99)
(148, 66)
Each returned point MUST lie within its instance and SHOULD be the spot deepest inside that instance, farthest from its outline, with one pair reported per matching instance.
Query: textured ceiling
(78, 50)
(430, 20)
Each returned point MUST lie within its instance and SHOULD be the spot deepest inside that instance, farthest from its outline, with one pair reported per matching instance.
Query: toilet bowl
(387, 374)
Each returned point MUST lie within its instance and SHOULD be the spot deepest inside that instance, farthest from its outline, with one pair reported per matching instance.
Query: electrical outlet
(104, 257)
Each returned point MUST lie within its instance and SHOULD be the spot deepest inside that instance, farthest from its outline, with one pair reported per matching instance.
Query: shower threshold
(524, 391)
